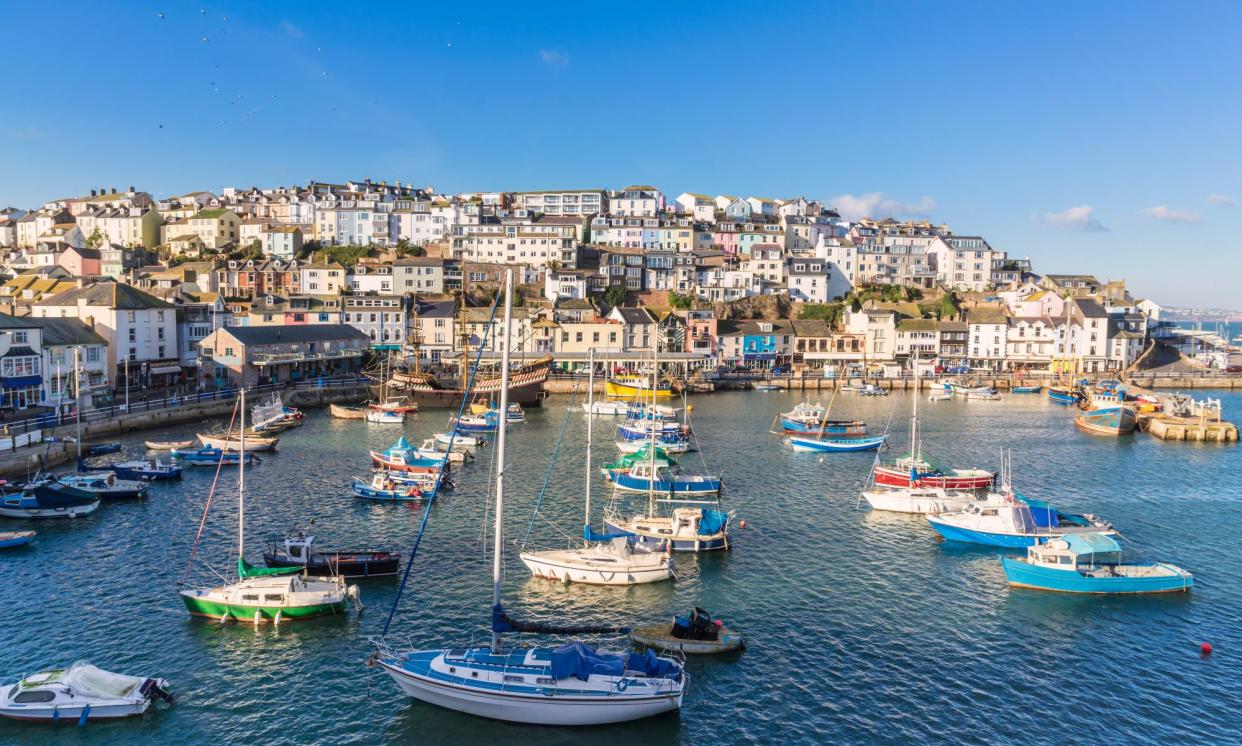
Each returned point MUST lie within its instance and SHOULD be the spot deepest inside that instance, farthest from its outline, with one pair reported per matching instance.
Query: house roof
(265, 335)
(631, 315)
(108, 294)
(214, 212)
(986, 315)
(58, 332)
(1090, 308)
(8, 321)
(811, 328)
(918, 325)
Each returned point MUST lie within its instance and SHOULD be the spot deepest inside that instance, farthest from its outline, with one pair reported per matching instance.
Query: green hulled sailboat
(266, 594)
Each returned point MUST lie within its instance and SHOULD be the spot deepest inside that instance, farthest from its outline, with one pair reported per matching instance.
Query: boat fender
(279, 617)
(622, 685)
(86, 713)
(1206, 648)
(741, 523)
(258, 617)
(56, 714)
(224, 618)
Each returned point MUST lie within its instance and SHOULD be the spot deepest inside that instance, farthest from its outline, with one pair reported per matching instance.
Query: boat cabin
(1068, 552)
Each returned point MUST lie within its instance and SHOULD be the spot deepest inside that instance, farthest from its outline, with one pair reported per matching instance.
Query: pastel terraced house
(218, 227)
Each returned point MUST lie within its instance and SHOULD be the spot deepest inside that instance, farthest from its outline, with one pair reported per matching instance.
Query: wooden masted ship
(525, 386)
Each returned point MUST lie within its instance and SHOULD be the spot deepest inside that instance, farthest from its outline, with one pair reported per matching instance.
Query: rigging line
(202, 523)
(556, 451)
(422, 526)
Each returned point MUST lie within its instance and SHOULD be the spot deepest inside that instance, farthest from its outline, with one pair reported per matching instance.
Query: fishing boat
(668, 480)
(1091, 563)
(49, 499)
(384, 417)
(812, 418)
(920, 500)
(1064, 395)
(1105, 413)
(168, 445)
(483, 406)
(383, 487)
(476, 423)
(459, 442)
(1006, 519)
(815, 444)
(401, 456)
(607, 408)
(10, 539)
(1026, 389)
(765, 387)
(273, 416)
(428, 482)
(213, 457)
(146, 469)
(345, 412)
(914, 470)
(573, 684)
(237, 443)
(696, 633)
(297, 550)
(265, 594)
(637, 387)
(980, 394)
(106, 486)
(81, 693)
(602, 559)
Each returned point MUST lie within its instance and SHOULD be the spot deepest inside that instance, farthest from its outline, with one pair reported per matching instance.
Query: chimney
(114, 190)
(92, 192)
(90, 322)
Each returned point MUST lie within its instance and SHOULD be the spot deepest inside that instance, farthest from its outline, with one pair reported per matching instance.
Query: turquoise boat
(1091, 563)
(1026, 389)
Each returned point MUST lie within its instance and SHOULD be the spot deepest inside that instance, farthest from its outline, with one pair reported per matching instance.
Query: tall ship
(424, 389)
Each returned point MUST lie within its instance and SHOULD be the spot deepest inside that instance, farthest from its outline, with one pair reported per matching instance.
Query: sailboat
(694, 525)
(573, 684)
(264, 594)
(603, 559)
(913, 470)
(815, 442)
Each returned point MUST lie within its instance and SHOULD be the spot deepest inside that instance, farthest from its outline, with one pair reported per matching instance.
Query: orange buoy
(1206, 648)
(689, 407)
(741, 524)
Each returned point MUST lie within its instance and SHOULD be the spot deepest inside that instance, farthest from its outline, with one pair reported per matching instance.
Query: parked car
(1235, 369)
(957, 370)
(780, 370)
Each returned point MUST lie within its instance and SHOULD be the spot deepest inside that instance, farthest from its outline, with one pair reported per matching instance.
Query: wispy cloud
(292, 30)
(876, 205)
(1079, 218)
(1169, 215)
(1221, 200)
(554, 58)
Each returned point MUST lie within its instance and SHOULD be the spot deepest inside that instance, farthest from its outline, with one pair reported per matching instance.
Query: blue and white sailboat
(573, 684)
(1091, 563)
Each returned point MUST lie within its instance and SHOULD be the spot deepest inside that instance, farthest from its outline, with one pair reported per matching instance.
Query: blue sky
(1100, 137)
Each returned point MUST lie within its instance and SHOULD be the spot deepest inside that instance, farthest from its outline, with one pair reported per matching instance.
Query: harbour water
(861, 626)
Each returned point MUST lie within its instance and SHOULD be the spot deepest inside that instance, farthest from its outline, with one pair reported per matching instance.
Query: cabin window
(452, 669)
(250, 597)
(36, 696)
(545, 680)
(279, 597)
(990, 511)
(513, 678)
(1066, 560)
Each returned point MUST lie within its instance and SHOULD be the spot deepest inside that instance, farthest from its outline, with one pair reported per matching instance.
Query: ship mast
(502, 426)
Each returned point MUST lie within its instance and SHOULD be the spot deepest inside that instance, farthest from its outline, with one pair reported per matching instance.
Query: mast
(590, 422)
(502, 426)
(916, 448)
(651, 423)
(77, 402)
(241, 480)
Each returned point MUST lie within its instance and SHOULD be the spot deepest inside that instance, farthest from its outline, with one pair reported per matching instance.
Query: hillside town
(280, 284)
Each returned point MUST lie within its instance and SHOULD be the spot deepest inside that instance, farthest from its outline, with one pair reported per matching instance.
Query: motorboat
(213, 457)
(168, 445)
(146, 469)
(384, 417)
(381, 487)
(395, 404)
(81, 693)
(1005, 520)
(345, 412)
(48, 499)
(106, 485)
(459, 442)
(607, 408)
(1091, 563)
(922, 500)
(695, 633)
(1026, 389)
(10, 539)
(297, 550)
(835, 445)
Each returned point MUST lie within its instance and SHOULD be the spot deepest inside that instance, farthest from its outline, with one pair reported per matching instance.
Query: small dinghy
(942, 396)
(344, 412)
(81, 692)
(695, 633)
(151, 470)
(168, 445)
(10, 539)
(384, 488)
(48, 499)
(213, 457)
(233, 442)
(103, 449)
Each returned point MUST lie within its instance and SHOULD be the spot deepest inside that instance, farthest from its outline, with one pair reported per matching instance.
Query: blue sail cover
(581, 660)
(401, 446)
(503, 623)
(1044, 515)
(652, 665)
(589, 534)
(712, 522)
(1092, 543)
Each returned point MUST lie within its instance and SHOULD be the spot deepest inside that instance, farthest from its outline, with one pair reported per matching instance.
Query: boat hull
(661, 638)
(843, 428)
(665, 487)
(906, 501)
(1026, 389)
(407, 494)
(1108, 421)
(892, 477)
(62, 713)
(970, 536)
(548, 565)
(545, 707)
(1063, 396)
(1023, 574)
(842, 445)
(349, 564)
(620, 390)
(710, 543)
(209, 608)
(11, 539)
(343, 412)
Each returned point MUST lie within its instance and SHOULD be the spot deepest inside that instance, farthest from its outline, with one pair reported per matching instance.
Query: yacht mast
(241, 479)
(500, 450)
(590, 421)
(651, 422)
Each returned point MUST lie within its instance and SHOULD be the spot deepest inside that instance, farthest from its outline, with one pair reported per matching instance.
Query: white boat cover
(87, 680)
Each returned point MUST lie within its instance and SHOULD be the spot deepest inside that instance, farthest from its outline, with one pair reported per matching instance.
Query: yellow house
(216, 227)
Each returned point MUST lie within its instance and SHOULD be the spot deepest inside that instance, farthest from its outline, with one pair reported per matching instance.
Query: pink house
(79, 262)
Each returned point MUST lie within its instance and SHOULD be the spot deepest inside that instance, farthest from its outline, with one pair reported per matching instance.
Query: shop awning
(160, 370)
(21, 382)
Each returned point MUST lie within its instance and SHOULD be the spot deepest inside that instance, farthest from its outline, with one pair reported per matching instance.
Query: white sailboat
(266, 594)
(569, 685)
(606, 559)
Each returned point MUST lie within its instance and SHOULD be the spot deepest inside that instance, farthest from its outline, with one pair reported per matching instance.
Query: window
(161, 352)
(35, 696)
(132, 317)
(133, 335)
(20, 338)
(92, 354)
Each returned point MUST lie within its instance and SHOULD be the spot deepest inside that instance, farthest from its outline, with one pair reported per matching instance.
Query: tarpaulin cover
(589, 534)
(652, 665)
(581, 660)
(712, 522)
(502, 622)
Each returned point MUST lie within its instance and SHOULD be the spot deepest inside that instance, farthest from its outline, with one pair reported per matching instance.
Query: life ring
(622, 685)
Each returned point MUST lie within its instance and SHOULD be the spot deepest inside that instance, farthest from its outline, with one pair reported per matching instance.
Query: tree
(615, 295)
(679, 301)
(95, 239)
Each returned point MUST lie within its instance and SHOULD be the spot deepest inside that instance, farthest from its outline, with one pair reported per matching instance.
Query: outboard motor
(151, 689)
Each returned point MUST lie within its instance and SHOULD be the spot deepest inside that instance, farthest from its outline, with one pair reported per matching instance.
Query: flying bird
(161, 16)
